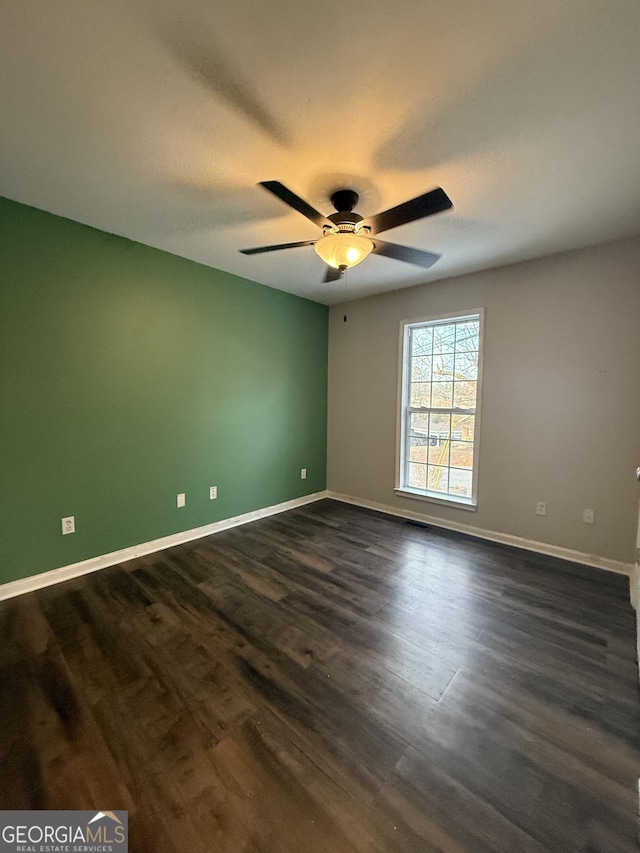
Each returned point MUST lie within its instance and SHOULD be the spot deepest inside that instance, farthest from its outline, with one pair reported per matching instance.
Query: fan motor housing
(344, 220)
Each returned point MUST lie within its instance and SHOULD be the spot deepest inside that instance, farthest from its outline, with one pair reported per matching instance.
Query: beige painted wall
(561, 398)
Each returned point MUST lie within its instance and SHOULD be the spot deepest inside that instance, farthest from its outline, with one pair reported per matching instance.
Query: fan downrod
(345, 200)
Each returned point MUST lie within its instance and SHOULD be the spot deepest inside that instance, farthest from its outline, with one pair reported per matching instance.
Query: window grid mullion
(427, 410)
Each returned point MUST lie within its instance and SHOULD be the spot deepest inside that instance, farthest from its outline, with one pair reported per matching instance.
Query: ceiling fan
(348, 237)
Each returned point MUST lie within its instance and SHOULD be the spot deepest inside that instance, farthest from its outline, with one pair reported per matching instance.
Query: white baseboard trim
(65, 573)
(493, 536)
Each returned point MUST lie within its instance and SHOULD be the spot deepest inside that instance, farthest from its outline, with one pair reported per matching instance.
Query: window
(439, 419)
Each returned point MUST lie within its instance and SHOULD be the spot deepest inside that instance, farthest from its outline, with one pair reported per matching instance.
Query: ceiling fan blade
(332, 274)
(405, 253)
(280, 191)
(260, 249)
(416, 208)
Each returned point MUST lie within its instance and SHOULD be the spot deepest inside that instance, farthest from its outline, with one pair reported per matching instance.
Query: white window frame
(404, 409)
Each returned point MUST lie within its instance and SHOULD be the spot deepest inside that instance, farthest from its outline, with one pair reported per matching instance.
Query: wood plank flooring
(330, 680)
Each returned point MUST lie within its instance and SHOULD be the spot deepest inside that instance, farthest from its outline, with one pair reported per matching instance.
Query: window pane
(460, 482)
(442, 396)
(420, 394)
(443, 367)
(419, 423)
(439, 426)
(421, 369)
(463, 427)
(417, 475)
(467, 336)
(421, 340)
(465, 395)
(418, 449)
(438, 479)
(444, 338)
(466, 365)
(439, 451)
(461, 454)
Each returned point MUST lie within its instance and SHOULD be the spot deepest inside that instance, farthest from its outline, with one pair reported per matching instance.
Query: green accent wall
(128, 375)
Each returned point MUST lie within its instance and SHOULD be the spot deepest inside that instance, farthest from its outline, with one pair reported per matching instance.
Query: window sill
(459, 503)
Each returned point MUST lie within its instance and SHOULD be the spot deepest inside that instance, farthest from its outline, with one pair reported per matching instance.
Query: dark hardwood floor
(330, 679)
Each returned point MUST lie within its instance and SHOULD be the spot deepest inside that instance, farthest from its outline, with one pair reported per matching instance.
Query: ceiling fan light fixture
(344, 249)
(346, 238)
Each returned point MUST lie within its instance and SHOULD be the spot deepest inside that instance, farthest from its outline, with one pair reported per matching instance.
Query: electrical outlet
(213, 493)
(181, 499)
(303, 473)
(68, 525)
(588, 516)
(541, 508)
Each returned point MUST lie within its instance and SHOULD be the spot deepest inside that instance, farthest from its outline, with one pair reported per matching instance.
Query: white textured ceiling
(155, 119)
